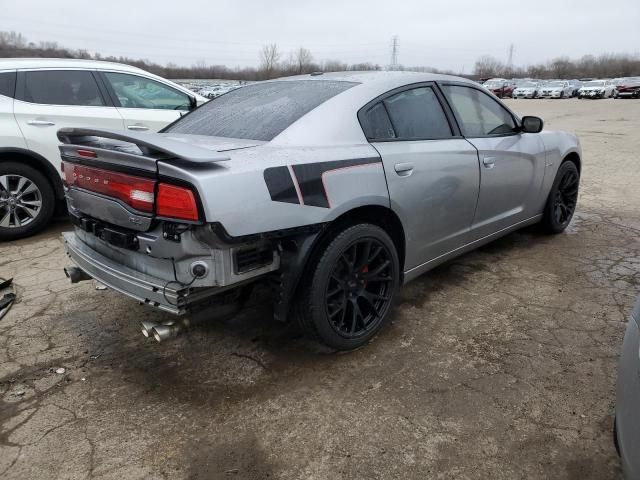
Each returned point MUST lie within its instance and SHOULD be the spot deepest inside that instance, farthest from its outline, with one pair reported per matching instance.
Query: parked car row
(593, 88)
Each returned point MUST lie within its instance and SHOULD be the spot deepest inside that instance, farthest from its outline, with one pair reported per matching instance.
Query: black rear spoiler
(151, 145)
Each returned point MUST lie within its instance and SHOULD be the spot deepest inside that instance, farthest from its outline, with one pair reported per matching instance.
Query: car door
(144, 103)
(512, 164)
(431, 171)
(50, 99)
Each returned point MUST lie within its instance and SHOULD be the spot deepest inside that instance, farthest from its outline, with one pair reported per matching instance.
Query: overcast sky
(446, 35)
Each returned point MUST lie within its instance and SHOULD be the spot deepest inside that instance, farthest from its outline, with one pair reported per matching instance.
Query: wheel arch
(300, 253)
(381, 216)
(37, 162)
(575, 158)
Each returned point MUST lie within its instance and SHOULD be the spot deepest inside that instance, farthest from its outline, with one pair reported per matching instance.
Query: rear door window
(414, 114)
(7, 83)
(62, 87)
(259, 111)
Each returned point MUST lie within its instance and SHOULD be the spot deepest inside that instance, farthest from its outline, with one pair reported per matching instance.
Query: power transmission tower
(394, 52)
(510, 60)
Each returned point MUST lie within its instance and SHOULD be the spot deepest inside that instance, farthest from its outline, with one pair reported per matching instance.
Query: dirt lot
(500, 365)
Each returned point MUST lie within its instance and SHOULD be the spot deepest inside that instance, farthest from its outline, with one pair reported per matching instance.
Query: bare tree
(303, 60)
(269, 58)
(488, 66)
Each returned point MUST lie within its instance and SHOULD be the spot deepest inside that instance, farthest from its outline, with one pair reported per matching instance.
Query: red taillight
(136, 192)
(176, 202)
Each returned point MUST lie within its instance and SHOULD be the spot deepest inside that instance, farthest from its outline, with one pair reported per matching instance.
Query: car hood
(589, 89)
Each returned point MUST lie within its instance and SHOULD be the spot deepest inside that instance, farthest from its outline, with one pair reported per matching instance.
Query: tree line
(274, 62)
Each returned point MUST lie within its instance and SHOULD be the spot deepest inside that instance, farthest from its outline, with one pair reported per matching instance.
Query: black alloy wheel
(358, 292)
(350, 287)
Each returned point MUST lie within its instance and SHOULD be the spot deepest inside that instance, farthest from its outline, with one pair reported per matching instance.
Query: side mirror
(531, 124)
(193, 103)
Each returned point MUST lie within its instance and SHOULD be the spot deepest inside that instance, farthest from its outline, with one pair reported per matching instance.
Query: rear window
(259, 111)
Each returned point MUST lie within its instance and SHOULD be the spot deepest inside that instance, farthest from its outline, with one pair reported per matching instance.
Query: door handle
(137, 127)
(41, 123)
(489, 162)
(403, 169)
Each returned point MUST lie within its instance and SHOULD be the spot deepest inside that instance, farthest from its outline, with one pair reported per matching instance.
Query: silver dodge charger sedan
(335, 189)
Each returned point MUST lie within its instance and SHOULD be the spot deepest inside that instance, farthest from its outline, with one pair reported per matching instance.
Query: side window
(62, 87)
(133, 91)
(376, 123)
(7, 83)
(417, 114)
(478, 113)
(414, 114)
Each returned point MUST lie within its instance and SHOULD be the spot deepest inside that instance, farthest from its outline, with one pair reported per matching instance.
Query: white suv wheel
(20, 201)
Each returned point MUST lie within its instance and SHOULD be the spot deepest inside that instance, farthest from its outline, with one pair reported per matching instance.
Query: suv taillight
(176, 202)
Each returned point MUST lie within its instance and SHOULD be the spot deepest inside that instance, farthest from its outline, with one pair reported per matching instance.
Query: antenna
(394, 52)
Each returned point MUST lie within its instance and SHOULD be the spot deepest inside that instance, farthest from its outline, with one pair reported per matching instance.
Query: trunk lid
(113, 176)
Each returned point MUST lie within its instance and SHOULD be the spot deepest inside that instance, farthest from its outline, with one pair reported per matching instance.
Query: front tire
(350, 288)
(27, 201)
(562, 200)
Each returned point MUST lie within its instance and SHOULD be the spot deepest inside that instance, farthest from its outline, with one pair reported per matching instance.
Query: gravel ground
(498, 365)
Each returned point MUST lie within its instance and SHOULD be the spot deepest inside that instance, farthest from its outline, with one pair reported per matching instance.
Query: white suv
(40, 96)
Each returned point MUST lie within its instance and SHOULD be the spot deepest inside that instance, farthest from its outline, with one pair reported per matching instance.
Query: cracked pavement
(500, 364)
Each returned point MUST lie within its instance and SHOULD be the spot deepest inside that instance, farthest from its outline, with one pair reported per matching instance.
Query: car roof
(383, 80)
(327, 124)
(28, 63)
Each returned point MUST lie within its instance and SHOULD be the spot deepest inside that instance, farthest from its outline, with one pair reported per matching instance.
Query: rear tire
(27, 201)
(562, 200)
(350, 288)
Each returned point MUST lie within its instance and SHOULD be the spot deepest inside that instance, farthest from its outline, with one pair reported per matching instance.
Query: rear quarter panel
(245, 200)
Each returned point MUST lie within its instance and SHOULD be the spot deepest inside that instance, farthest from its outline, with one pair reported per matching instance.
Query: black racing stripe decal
(280, 185)
(309, 177)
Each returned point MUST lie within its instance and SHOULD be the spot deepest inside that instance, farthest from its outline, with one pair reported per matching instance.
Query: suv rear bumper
(137, 285)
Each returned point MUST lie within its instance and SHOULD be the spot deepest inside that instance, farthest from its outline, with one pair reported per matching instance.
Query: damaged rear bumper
(137, 285)
(165, 294)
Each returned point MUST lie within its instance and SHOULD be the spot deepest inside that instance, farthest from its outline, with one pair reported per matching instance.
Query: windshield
(493, 83)
(594, 84)
(555, 84)
(527, 85)
(259, 111)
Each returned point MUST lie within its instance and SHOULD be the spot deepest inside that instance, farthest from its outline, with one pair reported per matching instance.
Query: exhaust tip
(146, 327)
(163, 332)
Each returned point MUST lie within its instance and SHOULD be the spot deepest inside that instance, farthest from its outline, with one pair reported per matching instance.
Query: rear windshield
(259, 111)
